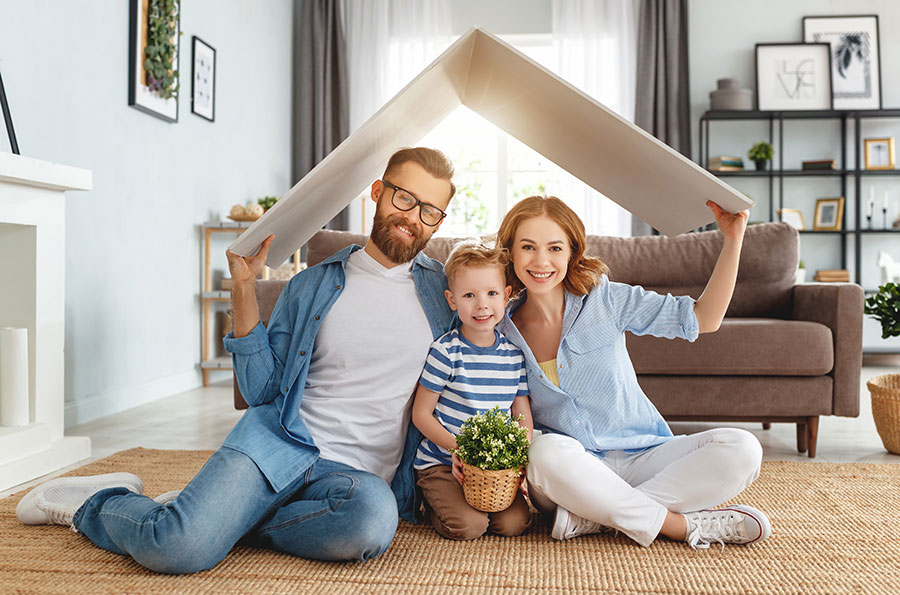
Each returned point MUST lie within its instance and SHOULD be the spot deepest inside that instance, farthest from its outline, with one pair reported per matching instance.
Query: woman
(606, 457)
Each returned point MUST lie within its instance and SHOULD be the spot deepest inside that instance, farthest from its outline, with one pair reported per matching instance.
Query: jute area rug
(836, 529)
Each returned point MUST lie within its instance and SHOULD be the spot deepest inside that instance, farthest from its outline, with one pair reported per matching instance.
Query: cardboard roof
(643, 175)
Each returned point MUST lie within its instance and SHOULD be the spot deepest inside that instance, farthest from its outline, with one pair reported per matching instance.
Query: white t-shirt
(365, 364)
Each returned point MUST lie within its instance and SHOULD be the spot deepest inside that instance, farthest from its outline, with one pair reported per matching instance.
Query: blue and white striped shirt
(598, 401)
(470, 380)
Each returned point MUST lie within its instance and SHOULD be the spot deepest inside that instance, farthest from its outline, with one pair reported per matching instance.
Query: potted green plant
(884, 307)
(800, 276)
(760, 153)
(493, 449)
(267, 201)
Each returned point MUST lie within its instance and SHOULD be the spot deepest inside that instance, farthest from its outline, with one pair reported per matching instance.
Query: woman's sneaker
(567, 525)
(55, 502)
(167, 497)
(734, 524)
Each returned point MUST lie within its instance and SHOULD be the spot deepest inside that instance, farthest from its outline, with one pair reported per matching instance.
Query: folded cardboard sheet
(643, 175)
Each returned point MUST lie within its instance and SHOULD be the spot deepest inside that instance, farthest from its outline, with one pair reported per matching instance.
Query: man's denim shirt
(271, 367)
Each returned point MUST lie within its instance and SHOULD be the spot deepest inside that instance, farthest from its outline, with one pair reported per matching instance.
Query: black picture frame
(140, 96)
(855, 56)
(793, 76)
(7, 117)
(203, 79)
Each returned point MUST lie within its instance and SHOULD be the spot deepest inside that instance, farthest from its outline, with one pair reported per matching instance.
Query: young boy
(469, 371)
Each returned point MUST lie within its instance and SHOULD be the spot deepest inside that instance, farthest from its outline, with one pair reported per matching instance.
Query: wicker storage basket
(885, 391)
(488, 490)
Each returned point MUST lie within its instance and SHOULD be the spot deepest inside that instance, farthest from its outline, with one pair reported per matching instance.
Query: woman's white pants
(632, 492)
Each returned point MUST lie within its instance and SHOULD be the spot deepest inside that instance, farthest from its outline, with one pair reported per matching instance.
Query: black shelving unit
(777, 173)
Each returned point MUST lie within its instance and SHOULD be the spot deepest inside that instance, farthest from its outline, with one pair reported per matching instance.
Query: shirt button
(302, 353)
(317, 317)
(338, 287)
(285, 389)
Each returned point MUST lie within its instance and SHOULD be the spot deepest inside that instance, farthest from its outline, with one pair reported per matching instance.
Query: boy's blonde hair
(474, 253)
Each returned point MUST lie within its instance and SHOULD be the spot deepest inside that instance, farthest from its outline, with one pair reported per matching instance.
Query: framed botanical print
(879, 153)
(855, 57)
(153, 32)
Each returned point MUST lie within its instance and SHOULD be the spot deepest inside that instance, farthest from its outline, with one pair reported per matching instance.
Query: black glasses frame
(394, 188)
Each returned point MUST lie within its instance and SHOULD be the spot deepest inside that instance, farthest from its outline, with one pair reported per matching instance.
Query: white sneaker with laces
(567, 525)
(55, 502)
(167, 497)
(734, 524)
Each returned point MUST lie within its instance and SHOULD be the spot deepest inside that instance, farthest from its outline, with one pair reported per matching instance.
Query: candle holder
(884, 217)
(868, 221)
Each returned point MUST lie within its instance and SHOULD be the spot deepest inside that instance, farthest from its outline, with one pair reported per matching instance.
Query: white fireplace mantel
(32, 295)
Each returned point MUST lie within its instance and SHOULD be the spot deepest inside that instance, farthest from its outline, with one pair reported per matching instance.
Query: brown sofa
(784, 353)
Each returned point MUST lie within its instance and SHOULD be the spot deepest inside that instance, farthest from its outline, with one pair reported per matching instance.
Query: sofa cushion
(741, 346)
(681, 265)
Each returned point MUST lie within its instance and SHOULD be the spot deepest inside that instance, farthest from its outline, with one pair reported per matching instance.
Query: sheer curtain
(595, 43)
(388, 43)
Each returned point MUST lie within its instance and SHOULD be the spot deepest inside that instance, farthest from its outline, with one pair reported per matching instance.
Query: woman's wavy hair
(583, 272)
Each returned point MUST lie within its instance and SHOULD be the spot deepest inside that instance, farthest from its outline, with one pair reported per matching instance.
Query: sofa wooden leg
(812, 424)
(802, 437)
(767, 425)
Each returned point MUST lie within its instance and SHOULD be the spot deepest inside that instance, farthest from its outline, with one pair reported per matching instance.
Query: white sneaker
(55, 502)
(567, 525)
(734, 524)
(167, 497)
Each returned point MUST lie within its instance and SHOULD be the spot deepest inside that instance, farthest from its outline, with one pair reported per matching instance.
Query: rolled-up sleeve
(645, 312)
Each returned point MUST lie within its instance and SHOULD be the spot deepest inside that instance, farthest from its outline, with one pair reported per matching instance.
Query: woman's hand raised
(731, 224)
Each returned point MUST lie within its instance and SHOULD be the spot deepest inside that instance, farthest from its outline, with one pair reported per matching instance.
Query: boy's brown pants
(454, 518)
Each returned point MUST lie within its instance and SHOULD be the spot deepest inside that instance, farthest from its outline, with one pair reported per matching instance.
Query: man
(320, 465)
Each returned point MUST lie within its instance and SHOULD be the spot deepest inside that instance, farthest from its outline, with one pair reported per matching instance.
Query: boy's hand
(457, 469)
(732, 225)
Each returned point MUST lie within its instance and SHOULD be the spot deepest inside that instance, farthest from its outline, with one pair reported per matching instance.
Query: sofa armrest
(267, 293)
(839, 306)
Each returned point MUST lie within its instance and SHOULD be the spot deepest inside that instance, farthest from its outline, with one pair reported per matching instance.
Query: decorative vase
(761, 164)
(488, 490)
(885, 391)
(799, 276)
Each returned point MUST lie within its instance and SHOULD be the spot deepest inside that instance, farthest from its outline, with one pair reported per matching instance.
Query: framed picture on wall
(793, 76)
(879, 153)
(153, 60)
(793, 217)
(203, 79)
(829, 214)
(855, 57)
(7, 117)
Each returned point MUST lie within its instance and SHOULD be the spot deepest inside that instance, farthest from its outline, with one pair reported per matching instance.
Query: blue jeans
(332, 512)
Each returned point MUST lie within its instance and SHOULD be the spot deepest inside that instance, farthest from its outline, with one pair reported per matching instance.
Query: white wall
(722, 40)
(133, 243)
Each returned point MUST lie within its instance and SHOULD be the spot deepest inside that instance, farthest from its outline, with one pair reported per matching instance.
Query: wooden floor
(201, 418)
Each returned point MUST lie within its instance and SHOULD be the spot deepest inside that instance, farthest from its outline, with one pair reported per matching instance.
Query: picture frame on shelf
(7, 117)
(855, 57)
(156, 97)
(829, 214)
(793, 76)
(793, 217)
(879, 153)
(203, 79)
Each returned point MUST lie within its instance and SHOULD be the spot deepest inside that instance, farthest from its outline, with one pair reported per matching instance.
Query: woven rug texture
(836, 529)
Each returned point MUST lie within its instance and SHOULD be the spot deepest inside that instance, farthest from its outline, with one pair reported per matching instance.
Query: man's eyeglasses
(404, 200)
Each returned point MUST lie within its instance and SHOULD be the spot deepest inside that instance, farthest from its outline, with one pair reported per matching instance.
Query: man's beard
(396, 250)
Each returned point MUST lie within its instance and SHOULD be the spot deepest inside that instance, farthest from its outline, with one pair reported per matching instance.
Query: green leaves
(159, 55)
(493, 441)
(267, 201)
(761, 151)
(884, 307)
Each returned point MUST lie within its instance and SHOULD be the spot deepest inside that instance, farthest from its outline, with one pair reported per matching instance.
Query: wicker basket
(885, 391)
(490, 491)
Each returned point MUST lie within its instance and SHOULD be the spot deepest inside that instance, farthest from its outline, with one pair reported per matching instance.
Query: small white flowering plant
(493, 440)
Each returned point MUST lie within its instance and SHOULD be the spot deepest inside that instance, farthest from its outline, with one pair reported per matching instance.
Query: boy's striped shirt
(470, 380)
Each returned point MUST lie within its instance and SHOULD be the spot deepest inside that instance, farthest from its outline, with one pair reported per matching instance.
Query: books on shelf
(726, 163)
(832, 276)
(820, 164)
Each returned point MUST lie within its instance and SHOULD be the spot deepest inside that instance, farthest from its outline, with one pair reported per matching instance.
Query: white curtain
(595, 43)
(388, 43)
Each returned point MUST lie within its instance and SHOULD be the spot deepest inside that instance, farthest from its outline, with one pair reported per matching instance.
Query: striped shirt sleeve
(438, 368)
